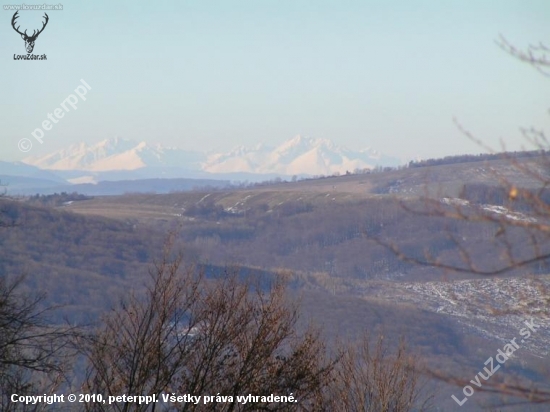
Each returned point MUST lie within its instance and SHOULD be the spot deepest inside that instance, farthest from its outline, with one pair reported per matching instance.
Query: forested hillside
(339, 240)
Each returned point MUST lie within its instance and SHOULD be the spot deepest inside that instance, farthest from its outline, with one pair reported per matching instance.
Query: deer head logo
(29, 40)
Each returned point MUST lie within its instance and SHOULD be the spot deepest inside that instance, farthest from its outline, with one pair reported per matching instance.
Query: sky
(213, 75)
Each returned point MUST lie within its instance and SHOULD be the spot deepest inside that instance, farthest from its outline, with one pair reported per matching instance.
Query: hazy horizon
(205, 75)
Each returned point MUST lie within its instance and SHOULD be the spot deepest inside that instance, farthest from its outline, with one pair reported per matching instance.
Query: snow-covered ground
(493, 209)
(491, 307)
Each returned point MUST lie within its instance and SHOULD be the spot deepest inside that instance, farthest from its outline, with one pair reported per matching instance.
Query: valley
(334, 234)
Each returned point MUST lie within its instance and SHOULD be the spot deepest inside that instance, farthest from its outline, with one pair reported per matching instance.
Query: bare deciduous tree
(189, 335)
(247, 343)
(371, 378)
(233, 336)
(143, 344)
(519, 229)
(35, 354)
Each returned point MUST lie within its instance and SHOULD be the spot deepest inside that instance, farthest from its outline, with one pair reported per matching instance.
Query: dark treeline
(510, 156)
(56, 199)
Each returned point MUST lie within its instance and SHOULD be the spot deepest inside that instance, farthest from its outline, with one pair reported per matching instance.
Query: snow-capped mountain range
(297, 156)
(115, 154)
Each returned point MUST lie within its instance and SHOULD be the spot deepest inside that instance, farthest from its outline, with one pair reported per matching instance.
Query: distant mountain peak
(107, 154)
(298, 155)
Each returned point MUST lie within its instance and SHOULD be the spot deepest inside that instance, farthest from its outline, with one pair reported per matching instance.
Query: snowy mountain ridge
(299, 155)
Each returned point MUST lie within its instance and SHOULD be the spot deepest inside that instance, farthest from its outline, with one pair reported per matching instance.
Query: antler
(15, 16)
(34, 34)
(43, 27)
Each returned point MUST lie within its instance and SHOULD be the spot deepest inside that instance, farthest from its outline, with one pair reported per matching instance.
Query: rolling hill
(86, 253)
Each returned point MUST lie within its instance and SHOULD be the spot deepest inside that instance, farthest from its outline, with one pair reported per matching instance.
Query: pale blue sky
(211, 75)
